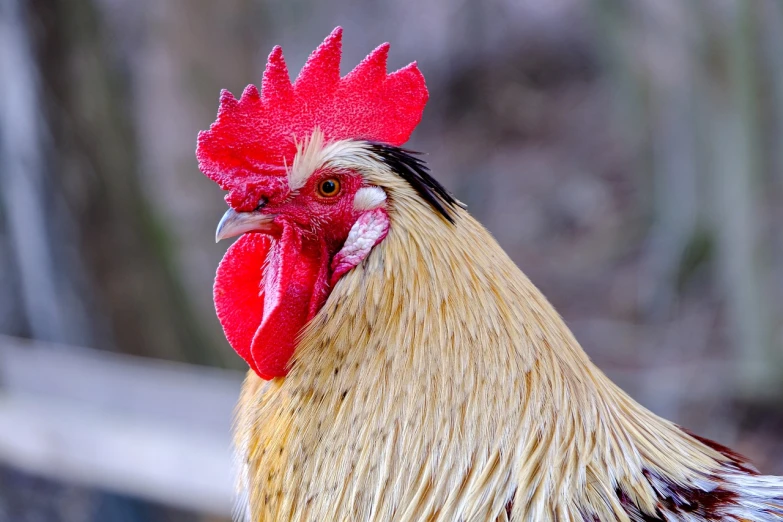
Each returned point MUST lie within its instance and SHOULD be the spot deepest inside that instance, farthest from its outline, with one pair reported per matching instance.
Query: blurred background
(627, 154)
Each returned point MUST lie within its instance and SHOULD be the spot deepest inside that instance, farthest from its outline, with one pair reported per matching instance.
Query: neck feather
(438, 352)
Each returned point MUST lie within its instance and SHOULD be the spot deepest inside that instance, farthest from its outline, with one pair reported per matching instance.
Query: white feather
(369, 198)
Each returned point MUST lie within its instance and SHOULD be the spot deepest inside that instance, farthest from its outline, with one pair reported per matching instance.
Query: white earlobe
(369, 198)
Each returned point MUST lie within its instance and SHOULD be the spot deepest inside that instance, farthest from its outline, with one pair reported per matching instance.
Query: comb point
(322, 68)
(373, 68)
(227, 99)
(336, 34)
(250, 93)
(276, 83)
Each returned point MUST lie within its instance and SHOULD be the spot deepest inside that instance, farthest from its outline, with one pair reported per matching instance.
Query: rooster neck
(437, 383)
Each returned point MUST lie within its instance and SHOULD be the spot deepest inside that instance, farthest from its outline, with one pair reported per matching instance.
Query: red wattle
(239, 300)
(294, 286)
(266, 290)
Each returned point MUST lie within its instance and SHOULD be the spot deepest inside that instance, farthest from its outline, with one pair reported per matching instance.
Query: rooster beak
(234, 223)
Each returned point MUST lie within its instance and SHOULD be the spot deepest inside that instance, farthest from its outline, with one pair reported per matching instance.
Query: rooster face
(303, 236)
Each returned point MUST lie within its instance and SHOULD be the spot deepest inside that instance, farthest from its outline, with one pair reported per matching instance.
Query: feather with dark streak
(404, 163)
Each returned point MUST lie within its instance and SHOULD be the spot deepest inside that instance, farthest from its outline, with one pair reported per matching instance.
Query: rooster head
(303, 165)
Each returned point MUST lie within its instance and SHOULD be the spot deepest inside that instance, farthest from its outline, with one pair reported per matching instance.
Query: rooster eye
(329, 188)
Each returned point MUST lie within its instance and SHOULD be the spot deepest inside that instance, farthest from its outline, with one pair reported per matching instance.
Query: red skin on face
(268, 286)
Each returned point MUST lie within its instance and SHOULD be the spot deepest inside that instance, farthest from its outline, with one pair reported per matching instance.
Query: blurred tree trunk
(770, 15)
(51, 288)
(663, 53)
(670, 69)
(734, 169)
(88, 260)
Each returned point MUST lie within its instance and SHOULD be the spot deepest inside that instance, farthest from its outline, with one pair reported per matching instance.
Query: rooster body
(431, 381)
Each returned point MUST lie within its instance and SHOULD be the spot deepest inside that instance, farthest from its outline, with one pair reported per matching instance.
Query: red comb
(246, 149)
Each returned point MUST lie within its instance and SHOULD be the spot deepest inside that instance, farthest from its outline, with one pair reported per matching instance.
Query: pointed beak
(234, 223)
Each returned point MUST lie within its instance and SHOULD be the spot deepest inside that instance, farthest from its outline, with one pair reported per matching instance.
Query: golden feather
(438, 384)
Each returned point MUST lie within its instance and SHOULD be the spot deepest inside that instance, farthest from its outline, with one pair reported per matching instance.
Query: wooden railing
(151, 429)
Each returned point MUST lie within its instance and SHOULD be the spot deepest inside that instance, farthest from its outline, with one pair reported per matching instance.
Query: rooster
(402, 368)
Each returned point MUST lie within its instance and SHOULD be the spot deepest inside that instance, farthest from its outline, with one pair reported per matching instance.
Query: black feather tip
(404, 163)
